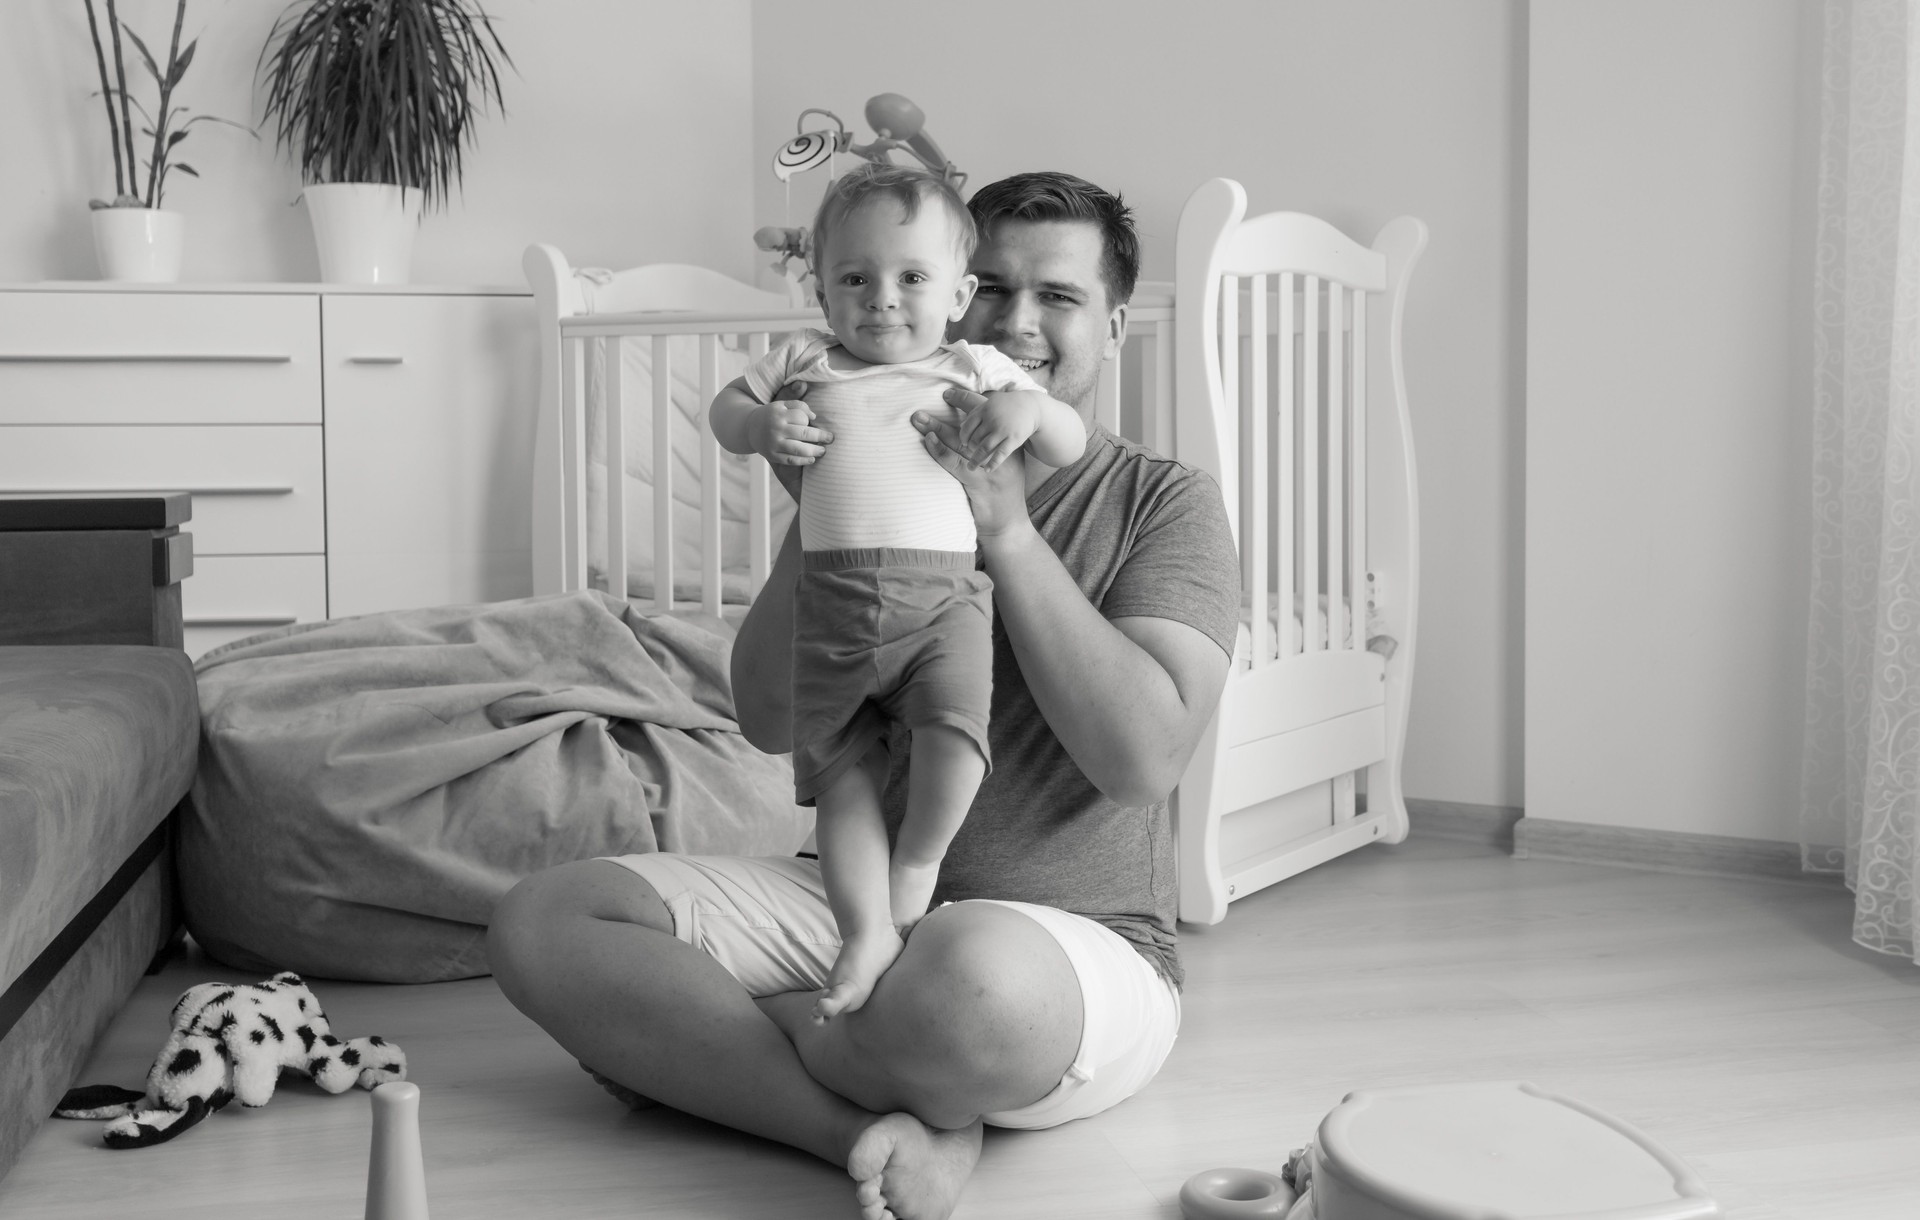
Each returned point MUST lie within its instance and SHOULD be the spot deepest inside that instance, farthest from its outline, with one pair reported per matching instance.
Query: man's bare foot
(911, 889)
(633, 1100)
(864, 957)
(906, 1170)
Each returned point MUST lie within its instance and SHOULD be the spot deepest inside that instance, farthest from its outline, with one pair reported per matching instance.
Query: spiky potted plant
(377, 100)
(135, 237)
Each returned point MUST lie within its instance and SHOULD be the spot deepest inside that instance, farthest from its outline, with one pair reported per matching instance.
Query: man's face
(1041, 301)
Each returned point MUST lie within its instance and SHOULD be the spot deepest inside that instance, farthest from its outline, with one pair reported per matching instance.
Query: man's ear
(1116, 332)
(963, 296)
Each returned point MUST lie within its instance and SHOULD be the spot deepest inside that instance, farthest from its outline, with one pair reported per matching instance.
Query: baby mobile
(897, 124)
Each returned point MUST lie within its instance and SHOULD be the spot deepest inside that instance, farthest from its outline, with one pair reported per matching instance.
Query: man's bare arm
(761, 666)
(762, 663)
(1129, 697)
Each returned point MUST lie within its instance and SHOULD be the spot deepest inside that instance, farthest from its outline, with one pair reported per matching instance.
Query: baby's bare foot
(911, 887)
(864, 957)
(906, 1170)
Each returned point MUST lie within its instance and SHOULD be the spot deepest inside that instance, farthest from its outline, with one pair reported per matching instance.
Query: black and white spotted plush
(232, 1040)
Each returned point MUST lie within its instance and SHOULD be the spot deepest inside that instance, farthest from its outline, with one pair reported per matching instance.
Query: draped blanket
(369, 788)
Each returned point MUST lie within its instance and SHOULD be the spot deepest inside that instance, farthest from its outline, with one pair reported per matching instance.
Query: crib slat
(662, 474)
(1336, 466)
(759, 503)
(1160, 430)
(1362, 584)
(1253, 475)
(710, 520)
(1230, 353)
(1106, 397)
(615, 430)
(1286, 476)
(1310, 459)
(573, 434)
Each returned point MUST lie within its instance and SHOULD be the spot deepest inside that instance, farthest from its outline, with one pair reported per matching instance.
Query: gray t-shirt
(1141, 535)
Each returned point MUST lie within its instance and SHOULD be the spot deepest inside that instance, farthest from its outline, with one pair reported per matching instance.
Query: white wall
(1357, 111)
(1668, 424)
(1629, 180)
(625, 141)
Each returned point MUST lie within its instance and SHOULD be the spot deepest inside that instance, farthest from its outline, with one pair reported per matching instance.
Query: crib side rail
(618, 412)
(1134, 399)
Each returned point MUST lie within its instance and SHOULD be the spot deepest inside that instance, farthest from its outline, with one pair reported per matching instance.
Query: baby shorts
(886, 634)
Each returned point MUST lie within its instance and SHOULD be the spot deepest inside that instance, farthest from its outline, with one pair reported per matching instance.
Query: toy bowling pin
(396, 1176)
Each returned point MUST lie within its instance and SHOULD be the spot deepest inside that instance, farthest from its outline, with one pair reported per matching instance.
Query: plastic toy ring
(1234, 1194)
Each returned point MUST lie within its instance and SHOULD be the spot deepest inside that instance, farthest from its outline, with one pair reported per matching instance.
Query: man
(691, 980)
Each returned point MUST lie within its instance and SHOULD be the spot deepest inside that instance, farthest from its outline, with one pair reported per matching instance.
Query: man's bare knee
(982, 1012)
(534, 917)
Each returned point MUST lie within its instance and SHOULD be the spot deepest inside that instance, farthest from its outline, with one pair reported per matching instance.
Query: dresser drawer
(152, 358)
(229, 597)
(256, 490)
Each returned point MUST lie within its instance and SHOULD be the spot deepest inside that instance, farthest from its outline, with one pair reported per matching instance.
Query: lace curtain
(1862, 763)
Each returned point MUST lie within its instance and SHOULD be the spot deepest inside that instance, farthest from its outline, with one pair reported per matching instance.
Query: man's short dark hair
(1048, 195)
(870, 180)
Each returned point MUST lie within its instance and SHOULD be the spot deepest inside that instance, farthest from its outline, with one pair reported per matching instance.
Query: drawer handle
(231, 490)
(142, 358)
(376, 359)
(242, 620)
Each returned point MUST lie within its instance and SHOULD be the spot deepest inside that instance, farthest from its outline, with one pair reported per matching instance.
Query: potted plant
(377, 99)
(133, 236)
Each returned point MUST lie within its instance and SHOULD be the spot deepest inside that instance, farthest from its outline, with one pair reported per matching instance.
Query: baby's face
(890, 288)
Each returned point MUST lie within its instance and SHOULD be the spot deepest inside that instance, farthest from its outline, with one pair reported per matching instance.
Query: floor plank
(1730, 1019)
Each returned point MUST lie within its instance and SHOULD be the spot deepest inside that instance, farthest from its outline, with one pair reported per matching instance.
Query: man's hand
(997, 494)
(781, 432)
(993, 431)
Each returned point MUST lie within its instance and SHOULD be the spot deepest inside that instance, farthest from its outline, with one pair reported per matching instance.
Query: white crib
(1302, 762)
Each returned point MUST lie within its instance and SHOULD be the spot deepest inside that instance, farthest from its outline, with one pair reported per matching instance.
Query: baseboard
(1491, 825)
(1671, 851)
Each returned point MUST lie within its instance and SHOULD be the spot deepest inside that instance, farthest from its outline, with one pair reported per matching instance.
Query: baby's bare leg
(851, 834)
(946, 771)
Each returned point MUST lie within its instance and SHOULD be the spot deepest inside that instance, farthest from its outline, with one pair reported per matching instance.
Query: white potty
(1507, 1151)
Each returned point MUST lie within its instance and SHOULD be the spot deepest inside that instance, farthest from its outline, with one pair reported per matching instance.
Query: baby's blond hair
(869, 181)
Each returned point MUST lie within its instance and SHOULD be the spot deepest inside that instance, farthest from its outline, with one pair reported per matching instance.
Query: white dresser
(349, 449)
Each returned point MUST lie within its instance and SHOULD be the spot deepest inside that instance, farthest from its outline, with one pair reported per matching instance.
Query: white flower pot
(364, 230)
(139, 244)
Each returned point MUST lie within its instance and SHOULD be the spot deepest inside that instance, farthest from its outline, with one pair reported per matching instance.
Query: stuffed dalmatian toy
(233, 1040)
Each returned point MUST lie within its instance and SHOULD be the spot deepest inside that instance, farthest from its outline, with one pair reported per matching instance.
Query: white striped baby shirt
(876, 486)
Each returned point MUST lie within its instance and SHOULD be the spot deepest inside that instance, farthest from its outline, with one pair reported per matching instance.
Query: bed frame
(1305, 428)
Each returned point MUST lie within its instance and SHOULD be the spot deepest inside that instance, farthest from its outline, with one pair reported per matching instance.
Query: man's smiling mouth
(1028, 363)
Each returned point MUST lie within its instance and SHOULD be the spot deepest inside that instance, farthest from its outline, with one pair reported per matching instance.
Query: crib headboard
(632, 302)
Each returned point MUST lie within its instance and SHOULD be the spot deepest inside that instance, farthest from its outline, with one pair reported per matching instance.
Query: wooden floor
(1732, 1020)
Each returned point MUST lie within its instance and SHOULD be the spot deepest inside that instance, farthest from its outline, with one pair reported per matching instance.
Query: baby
(892, 618)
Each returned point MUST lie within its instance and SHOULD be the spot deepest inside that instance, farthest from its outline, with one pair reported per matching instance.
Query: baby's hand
(992, 432)
(781, 431)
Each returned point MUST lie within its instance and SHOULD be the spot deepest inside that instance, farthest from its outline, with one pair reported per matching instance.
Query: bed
(1272, 362)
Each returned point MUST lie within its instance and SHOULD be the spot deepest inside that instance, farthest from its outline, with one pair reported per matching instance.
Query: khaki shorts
(886, 635)
(765, 919)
